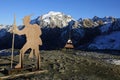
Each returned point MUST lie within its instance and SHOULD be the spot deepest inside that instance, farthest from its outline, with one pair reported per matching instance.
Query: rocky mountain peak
(53, 19)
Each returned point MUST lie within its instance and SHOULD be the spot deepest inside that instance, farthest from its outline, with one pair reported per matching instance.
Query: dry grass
(64, 65)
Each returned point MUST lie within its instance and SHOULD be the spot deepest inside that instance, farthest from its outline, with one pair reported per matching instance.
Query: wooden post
(13, 42)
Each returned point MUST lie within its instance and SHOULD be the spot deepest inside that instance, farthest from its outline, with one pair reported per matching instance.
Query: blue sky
(76, 8)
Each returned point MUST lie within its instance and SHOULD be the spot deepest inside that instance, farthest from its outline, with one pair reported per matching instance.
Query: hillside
(70, 65)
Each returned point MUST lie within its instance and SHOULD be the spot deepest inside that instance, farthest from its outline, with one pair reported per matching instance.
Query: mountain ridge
(83, 32)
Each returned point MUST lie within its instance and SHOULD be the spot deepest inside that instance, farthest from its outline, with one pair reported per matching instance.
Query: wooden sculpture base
(16, 73)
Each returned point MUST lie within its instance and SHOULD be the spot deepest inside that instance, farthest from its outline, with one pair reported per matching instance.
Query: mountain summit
(53, 19)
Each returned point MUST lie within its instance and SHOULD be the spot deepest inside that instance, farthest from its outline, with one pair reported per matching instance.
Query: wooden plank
(22, 74)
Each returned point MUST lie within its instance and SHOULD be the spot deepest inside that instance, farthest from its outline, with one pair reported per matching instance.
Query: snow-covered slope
(53, 19)
(110, 41)
(4, 29)
(105, 28)
(7, 27)
(109, 37)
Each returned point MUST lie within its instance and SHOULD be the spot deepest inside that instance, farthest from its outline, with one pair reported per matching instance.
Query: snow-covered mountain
(95, 21)
(109, 41)
(53, 19)
(57, 28)
(109, 37)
